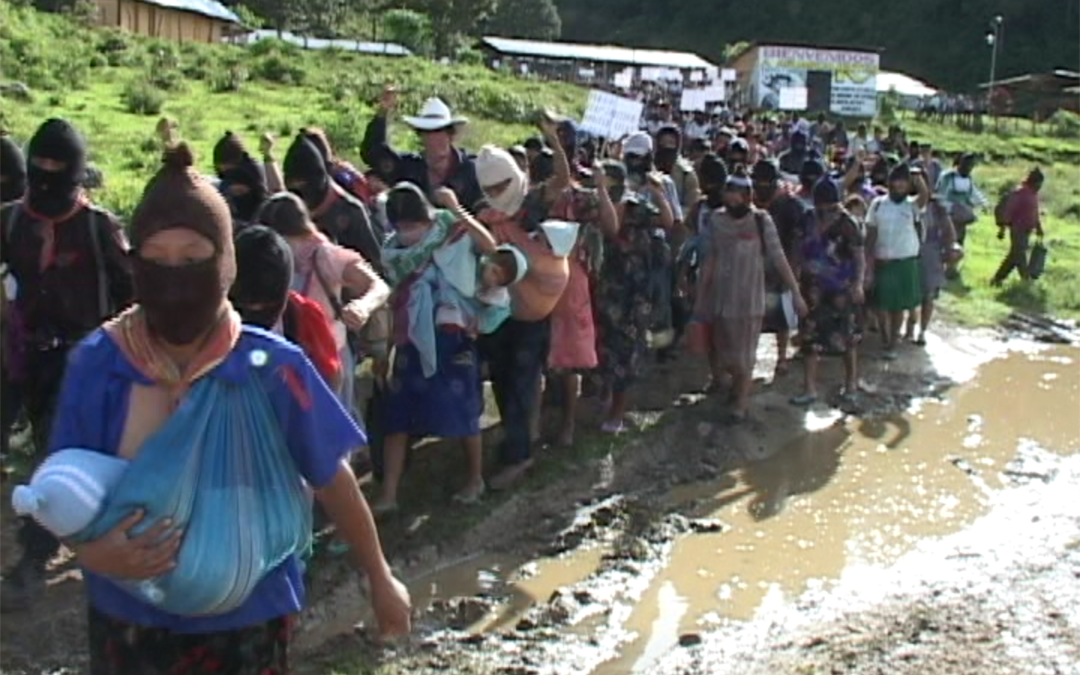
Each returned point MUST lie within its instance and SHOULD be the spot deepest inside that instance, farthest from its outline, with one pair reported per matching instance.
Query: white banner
(716, 93)
(730, 75)
(611, 116)
(693, 100)
(793, 98)
(840, 81)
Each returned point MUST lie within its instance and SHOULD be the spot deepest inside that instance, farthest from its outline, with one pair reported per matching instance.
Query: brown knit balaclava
(182, 303)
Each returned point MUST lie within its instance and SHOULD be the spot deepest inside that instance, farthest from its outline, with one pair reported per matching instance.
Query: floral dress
(828, 280)
(624, 297)
(573, 332)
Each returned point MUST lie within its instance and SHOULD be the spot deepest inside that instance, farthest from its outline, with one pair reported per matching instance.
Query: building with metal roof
(361, 46)
(578, 62)
(181, 20)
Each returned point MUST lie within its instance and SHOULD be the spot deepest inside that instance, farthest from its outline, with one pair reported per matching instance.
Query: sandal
(470, 496)
(803, 400)
(616, 427)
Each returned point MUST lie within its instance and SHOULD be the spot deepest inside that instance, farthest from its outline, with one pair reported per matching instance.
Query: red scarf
(131, 334)
(48, 232)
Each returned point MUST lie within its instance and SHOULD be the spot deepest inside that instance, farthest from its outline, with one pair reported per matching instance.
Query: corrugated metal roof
(384, 48)
(214, 10)
(601, 53)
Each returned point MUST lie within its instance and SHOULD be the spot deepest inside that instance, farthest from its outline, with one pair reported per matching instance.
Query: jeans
(1017, 257)
(516, 354)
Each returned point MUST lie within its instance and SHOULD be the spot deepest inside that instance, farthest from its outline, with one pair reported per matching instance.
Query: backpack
(305, 324)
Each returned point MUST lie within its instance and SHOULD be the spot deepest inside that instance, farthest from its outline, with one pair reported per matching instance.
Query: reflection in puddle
(853, 495)
(841, 496)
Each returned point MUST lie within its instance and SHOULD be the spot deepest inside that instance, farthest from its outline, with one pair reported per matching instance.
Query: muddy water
(852, 494)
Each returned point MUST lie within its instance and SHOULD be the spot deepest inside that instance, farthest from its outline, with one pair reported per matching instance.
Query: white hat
(638, 144)
(433, 116)
(562, 235)
(69, 489)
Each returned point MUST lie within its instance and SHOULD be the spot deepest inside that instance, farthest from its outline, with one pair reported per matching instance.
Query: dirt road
(690, 547)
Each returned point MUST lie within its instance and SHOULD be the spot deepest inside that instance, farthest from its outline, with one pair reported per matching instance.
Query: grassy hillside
(115, 86)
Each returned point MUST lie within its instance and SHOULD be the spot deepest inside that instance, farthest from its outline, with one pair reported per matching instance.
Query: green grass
(95, 77)
(209, 89)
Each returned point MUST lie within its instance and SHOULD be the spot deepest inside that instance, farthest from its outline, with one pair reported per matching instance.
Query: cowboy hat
(435, 115)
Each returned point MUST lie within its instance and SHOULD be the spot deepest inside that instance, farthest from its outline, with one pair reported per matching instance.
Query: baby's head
(500, 269)
(69, 490)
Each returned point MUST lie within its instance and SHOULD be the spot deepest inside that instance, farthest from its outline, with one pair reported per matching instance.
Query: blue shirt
(92, 411)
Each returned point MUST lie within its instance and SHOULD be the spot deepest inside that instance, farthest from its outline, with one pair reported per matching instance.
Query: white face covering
(495, 166)
(511, 199)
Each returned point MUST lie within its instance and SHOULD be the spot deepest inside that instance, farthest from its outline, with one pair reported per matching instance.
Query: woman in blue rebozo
(162, 373)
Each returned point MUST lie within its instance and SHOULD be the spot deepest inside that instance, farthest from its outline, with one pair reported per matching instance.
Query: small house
(180, 20)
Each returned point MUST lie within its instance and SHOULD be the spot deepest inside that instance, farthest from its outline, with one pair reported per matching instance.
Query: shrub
(142, 98)
(231, 79)
(279, 69)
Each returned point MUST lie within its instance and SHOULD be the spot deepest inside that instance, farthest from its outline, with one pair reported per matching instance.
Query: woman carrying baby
(178, 365)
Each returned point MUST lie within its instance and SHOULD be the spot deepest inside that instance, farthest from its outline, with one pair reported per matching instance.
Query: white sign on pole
(716, 92)
(649, 74)
(624, 80)
(697, 76)
(627, 117)
(611, 116)
(693, 100)
(793, 98)
(712, 73)
(730, 75)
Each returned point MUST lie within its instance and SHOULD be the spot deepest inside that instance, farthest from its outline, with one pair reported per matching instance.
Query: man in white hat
(439, 164)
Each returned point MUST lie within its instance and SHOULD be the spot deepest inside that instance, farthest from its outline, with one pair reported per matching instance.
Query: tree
(280, 14)
(452, 19)
(535, 19)
(408, 28)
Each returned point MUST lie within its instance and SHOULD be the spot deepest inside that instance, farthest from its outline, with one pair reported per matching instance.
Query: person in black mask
(69, 259)
(243, 182)
(261, 294)
(339, 215)
(810, 173)
(792, 160)
(12, 171)
(788, 214)
(669, 160)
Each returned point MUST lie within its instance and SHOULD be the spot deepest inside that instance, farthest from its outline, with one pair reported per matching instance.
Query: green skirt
(897, 285)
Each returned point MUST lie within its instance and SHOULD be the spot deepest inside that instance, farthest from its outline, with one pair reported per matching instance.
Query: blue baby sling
(221, 470)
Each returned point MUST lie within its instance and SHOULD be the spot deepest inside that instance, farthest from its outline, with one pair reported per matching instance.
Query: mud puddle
(855, 493)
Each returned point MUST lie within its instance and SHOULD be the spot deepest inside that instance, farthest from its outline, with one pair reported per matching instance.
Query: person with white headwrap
(518, 350)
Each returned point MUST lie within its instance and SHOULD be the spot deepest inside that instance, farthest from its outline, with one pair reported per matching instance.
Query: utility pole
(993, 38)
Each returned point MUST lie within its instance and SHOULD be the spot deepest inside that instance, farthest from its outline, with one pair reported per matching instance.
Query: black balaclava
(666, 157)
(13, 170)
(713, 175)
(966, 164)
(247, 173)
(229, 150)
(766, 179)
(264, 272)
(54, 193)
(812, 171)
(304, 163)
